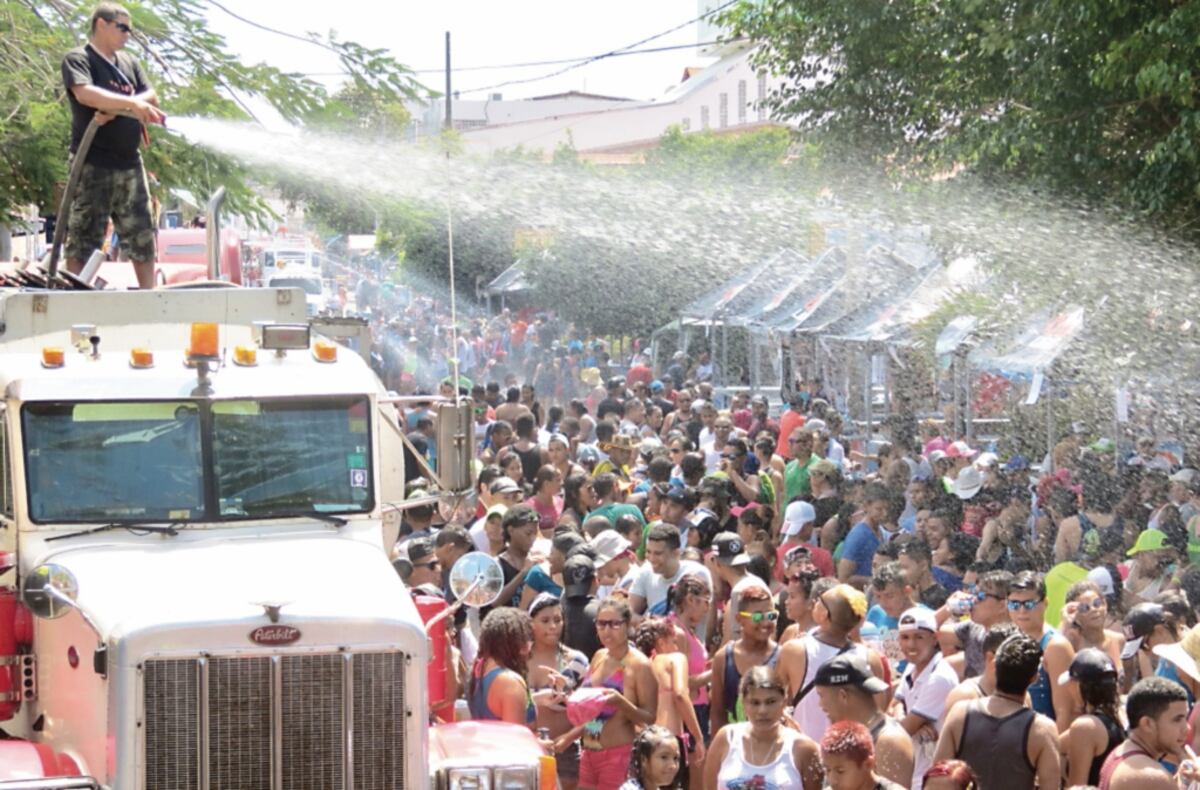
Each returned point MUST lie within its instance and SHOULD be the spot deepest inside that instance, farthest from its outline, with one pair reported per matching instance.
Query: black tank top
(1115, 736)
(990, 744)
(531, 462)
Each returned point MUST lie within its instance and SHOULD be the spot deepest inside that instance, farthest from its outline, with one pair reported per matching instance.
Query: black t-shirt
(116, 143)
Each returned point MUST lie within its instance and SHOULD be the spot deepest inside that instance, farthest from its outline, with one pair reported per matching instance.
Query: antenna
(454, 375)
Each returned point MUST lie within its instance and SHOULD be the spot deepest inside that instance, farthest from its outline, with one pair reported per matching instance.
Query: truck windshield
(146, 461)
(113, 461)
(275, 458)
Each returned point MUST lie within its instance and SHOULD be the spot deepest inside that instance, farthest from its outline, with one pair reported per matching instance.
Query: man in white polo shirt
(921, 695)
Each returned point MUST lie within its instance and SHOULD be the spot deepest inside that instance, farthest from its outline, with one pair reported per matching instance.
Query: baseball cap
(961, 449)
(968, 483)
(587, 453)
(419, 550)
(1185, 476)
(1102, 579)
(565, 541)
(1140, 622)
(1016, 463)
(737, 511)
(1149, 540)
(849, 669)
(760, 399)
(495, 510)
(918, 618)
(578, 573)
(1089, 664)
(504, 485)
(656, 386)
(796, 516)
(683, 495)
(729, 549)
(936, 455)
(609, 545)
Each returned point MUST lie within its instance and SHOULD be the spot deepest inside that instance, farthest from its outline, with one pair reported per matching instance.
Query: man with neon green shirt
(795, 474)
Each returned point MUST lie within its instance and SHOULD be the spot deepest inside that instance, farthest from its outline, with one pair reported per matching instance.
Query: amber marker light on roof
(246, 356)
(205, 341)
(53, 357)
(325, 351)
(141, 358)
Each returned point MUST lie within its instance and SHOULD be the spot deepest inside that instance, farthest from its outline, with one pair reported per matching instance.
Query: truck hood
(194, 583)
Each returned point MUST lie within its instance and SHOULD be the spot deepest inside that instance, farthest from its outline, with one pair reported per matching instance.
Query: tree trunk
(5, 242)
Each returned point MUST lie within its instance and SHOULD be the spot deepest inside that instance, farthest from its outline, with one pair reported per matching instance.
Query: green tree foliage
(194, 74)
(1094, 97)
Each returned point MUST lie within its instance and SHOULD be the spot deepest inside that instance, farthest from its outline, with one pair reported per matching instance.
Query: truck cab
(195, 590)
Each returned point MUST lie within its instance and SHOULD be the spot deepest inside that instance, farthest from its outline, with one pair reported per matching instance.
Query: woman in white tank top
(760, 753)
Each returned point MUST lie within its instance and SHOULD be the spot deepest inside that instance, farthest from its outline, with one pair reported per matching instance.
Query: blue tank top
(1040, 696)
(478, 705)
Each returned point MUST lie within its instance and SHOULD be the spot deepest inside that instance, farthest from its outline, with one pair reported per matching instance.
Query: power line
(579, 59)
(613, 53)
(266, 28)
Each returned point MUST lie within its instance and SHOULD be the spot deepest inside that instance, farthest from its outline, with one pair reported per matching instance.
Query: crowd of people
(706, 594)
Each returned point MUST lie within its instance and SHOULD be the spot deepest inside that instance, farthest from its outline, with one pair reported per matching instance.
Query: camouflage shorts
(123, 195)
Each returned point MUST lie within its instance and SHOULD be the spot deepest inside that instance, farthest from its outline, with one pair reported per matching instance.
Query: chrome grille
(284, 722)
(378, 712)
(239, 723)
(172, 725)
(313, 730)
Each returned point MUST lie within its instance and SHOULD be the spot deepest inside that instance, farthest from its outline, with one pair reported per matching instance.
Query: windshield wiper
(136, 529)
(328, 518)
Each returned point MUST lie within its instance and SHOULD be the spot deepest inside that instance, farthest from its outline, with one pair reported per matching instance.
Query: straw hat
(1184, 654)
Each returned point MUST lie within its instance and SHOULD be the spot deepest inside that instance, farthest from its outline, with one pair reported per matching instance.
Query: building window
(686, 125)
(723, 110)
(762, 96)
(741, 101)
(704, 117)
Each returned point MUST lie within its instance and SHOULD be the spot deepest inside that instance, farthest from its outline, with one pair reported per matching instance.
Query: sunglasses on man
(1029, 606)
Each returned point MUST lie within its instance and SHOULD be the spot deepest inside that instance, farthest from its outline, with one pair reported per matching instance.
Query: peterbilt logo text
(274, 635)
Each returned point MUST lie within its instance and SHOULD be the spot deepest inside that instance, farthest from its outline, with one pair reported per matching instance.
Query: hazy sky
(483, 33)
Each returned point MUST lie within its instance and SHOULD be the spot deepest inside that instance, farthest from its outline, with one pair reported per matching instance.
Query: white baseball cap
(797, 515)
(609, 545)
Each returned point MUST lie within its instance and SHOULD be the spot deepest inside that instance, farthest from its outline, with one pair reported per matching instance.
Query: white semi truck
(195, 592)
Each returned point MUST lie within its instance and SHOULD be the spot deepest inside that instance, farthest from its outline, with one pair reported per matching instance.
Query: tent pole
(867, 397)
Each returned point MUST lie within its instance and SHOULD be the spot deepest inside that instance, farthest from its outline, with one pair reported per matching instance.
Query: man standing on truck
(101, 80)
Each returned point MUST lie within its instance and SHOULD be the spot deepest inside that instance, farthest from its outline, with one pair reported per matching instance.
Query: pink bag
(586, 704)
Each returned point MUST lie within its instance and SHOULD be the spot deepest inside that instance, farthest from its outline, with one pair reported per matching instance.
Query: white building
(726, 95)
(469, 114)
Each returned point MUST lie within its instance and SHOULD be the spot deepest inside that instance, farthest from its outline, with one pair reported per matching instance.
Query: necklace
(774, 742)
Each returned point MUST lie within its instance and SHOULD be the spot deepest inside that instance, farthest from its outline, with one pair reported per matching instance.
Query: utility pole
(449, 112)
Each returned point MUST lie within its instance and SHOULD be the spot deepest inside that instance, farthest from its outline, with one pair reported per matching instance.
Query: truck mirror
(476, 579)
(456, 445)
(50, 591)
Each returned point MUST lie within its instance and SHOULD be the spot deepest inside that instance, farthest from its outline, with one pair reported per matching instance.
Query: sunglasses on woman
(758, 617)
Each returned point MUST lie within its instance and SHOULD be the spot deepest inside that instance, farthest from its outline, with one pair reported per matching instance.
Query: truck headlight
(469, 779)
(516, 778)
